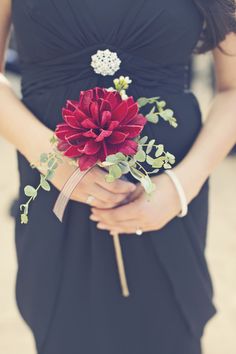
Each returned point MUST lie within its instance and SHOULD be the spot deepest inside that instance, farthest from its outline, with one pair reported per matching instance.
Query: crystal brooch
(105, 62)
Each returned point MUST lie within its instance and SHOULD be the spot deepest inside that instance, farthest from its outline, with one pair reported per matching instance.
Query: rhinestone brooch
(105, 62)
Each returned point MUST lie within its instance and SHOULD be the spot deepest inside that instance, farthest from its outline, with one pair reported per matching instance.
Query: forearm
(19, 126)
(214, 142)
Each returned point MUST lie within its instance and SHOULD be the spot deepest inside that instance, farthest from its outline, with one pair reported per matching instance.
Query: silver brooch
(105, 62)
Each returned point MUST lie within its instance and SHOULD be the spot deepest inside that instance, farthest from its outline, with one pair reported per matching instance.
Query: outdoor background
(220, 334)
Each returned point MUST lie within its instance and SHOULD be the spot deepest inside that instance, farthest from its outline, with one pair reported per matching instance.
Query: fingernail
(93, 217)
(101, 226)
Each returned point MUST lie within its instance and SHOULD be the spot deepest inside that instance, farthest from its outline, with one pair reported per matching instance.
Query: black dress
(67, 287)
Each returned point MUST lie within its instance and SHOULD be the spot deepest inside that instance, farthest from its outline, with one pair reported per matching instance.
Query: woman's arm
(218, 134)
(21, 128)
(215, 140)
(14, 117)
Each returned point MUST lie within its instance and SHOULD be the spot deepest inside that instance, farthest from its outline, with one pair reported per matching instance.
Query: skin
(217, 137)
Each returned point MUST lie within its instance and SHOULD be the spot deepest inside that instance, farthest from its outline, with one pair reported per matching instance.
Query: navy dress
(67, 286)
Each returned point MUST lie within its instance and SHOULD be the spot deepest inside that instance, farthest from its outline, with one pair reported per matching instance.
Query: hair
(220, 20)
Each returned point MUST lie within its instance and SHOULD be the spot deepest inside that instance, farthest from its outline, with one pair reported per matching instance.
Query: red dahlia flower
(98, 125)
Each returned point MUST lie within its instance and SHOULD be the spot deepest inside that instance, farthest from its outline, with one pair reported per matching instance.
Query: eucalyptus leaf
(149, 160)
(43, 158)
(142, 101)
(30, 191)
(150, 146)
(143, 140)
(140, 156)
(147, 184)
(136, 173)
(167, 165)
(120, 156)
(44, 184)
(109, 178)
(158, 163)
(124, 166)
(50, 174)
(160, 150)
(51, 162)
(115, 171)
(24, 218)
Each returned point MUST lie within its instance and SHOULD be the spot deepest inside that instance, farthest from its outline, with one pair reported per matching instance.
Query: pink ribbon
(68, 188)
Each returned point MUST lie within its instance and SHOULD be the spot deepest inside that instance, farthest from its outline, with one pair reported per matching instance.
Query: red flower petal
(138, 120)
(90, 148)
(105, 106)
(94, 111)
(131, 130)
(72, 151)
(113, 125)
(117, 137)
(129, 147)
(120, 111)
(90, 134)
(106, 118)
(86, 99)
(79, 114)
(132, 112)
(86, 162)
(72, 121)
(103, 134)
(88, 124)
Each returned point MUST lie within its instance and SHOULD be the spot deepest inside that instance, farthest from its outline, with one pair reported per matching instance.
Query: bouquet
(104, 128)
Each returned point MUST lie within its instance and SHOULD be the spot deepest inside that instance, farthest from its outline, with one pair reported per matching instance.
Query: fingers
(128, 227)
(107, 199)
(118, 186)
(122, 213)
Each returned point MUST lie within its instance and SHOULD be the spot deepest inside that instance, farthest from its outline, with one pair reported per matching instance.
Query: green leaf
(158, 163)
(167, 165)
(161, 104)
(152, 116)
(51, 162)
(115, 171)
(24, 218)
(109, 178)
(170, 158)
(112, 158)
(43, 158)
(136, 173)
(149, 160)
(44, 184)
(50, 174)
(143, 140)
(142, 101)
(160, 150)
(150, 146)
(120, 156)
(53, 139)
(156, 170)
(147, 184)
(140, 156)
(30, 191)
(124, 166)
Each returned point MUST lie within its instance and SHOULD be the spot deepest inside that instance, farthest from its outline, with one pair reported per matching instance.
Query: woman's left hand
(139, 212)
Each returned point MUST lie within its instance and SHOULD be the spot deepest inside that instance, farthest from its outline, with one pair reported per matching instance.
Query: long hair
(220, 20)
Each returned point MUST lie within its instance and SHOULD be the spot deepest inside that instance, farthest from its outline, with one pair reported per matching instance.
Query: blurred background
(220, 333)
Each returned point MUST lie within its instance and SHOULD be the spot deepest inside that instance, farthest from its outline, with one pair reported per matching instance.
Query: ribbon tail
(68, 188)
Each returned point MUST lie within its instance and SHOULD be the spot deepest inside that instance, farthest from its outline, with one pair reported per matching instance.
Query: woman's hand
(140, 212)
(106, 195)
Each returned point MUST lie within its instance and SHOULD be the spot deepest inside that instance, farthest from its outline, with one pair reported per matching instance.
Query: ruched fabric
(67, 287)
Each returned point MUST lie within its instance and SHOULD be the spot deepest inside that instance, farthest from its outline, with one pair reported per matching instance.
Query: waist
(75, 68)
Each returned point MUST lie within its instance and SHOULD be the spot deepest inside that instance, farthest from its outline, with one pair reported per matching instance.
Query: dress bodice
(153, 38)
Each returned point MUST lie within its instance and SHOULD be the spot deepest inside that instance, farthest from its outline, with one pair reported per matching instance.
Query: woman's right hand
(106, 195)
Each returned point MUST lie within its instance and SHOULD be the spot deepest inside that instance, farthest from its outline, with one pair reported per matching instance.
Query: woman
(67, 284)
